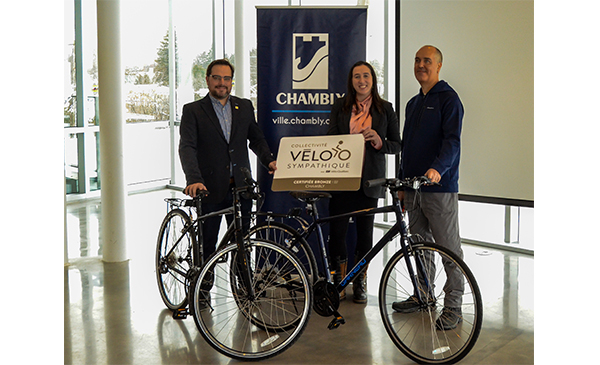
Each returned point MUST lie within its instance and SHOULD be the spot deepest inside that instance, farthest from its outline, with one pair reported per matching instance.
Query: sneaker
(409, 305)
(449, 319)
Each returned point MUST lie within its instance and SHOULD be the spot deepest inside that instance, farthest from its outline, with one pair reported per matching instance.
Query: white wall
(488, 59)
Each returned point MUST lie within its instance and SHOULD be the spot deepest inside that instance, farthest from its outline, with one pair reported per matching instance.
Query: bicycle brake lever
(424, 180)
(295, 211)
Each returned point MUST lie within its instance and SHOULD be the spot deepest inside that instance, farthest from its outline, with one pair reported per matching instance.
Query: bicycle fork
(414, 277)
(242, 262)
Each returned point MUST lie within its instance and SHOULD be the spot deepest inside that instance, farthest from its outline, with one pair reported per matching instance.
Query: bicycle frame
(236, 225)
(197, 252)
(242, 256)
(193, 230)
(399, 227)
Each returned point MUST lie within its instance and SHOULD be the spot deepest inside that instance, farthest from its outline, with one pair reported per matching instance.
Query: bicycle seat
(309, 196)
(174, 202)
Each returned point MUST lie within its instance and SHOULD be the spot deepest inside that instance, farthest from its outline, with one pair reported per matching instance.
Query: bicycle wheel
(246, 327)
(174, 258)
(417, 334)
(285, 235)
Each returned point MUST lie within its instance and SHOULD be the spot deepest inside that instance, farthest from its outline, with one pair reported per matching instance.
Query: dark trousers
(210, 229)
(345, 202)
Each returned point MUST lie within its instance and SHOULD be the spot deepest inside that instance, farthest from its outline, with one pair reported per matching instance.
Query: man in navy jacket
(431, 147)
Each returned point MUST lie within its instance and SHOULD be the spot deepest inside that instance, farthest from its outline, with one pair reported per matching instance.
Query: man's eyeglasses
(219, 78)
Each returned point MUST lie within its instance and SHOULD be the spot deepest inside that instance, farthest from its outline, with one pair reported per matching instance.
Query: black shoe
(359, 288)
(449, 319)
(409, 305)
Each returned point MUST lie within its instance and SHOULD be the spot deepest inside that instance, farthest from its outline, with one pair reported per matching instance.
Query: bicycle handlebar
(376, 182)
(200, 194)
(414, 183)
(252, 188)
(248, 177)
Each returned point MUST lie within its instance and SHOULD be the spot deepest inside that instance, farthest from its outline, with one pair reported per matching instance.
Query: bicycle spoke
(173, 259)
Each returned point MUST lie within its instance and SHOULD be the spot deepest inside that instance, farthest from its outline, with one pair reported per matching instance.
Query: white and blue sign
(304, 57)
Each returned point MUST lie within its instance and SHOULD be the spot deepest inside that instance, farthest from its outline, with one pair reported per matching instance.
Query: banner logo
(310, 54)
(308, 154)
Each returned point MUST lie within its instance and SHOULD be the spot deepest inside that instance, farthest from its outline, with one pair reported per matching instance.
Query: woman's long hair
(351, 93)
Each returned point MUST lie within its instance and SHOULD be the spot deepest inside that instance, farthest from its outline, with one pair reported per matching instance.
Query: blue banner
(304, 56)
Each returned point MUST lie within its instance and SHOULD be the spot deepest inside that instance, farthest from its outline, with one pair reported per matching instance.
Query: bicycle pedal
(180, 313)
(336, 322)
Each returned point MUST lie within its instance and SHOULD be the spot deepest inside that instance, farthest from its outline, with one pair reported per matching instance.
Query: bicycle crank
(326, 303)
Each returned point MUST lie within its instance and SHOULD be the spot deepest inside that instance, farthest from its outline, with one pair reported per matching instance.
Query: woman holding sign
(362, 111)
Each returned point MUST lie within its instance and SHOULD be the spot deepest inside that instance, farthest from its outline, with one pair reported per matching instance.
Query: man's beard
(220, 93)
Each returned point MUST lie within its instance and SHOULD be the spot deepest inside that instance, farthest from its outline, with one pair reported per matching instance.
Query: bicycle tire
(415, 334)
(174, 258)
(285, 235)
(247, 328)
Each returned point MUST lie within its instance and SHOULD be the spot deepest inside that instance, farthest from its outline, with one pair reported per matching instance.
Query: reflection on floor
(114, 315)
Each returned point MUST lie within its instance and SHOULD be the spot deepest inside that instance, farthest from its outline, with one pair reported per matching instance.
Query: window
(154, 95)
(80, 98)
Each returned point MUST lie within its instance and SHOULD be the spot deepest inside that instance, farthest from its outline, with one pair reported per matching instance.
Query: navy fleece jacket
(431, 136)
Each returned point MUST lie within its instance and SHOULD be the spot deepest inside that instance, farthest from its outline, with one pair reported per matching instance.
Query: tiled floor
(114, 314)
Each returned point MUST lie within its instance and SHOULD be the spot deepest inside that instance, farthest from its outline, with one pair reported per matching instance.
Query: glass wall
(156, 87)
(202, 31)
(80, 98)
(145, 26)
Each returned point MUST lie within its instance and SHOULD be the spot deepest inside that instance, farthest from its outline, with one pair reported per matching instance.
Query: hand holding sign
(372, 136)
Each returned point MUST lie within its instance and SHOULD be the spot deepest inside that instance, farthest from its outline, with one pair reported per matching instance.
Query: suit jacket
(204, 152)
(386, 125)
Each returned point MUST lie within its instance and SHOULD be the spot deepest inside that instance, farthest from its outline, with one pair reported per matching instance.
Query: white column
(172, 92)
(66, 247)
(242, 56)
(112, 172)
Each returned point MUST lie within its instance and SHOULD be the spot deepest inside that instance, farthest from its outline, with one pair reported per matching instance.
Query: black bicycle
(252, 298)
(179, 249)
(427, 318)
(254, 324)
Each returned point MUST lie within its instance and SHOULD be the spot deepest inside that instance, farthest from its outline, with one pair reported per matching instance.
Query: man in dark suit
(213, 146)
